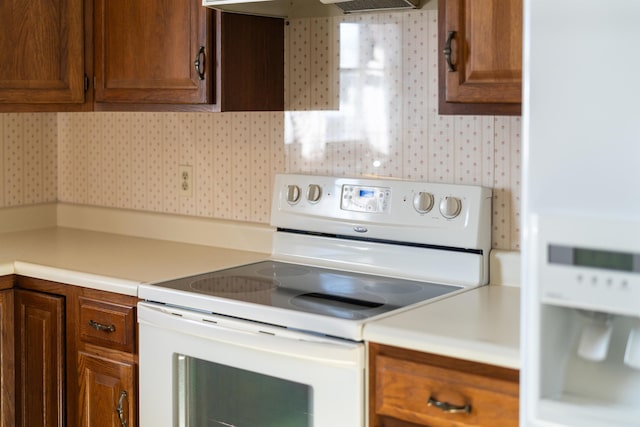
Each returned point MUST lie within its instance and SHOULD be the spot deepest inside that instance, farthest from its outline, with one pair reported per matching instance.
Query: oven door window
(215, 395)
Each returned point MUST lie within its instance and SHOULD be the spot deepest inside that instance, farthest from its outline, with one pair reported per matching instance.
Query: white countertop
(481, 325)
(109, 262)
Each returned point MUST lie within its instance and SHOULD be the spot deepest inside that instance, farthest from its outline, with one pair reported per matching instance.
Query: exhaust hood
(349, 6)
(308, 8)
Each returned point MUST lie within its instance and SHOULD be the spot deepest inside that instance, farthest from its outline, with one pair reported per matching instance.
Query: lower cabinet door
(40, 368)
(107, 392)
(7, 367)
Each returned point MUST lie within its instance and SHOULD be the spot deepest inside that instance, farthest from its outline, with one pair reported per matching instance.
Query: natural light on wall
(368, 61)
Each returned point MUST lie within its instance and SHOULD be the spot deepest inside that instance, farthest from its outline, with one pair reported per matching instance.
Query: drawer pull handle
(120, 409)
(447, 51)
(199, 65)
(449, 408)
(100, 327)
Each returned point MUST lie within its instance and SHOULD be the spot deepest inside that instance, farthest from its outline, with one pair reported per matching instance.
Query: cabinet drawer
(404, 387)
(107, 324)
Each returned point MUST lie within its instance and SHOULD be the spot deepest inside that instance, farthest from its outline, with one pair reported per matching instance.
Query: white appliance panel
(333, 368)
(580, 115)
(581, 214)
(398, 221)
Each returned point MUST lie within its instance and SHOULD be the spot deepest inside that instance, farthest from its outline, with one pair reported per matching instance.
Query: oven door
(202, 370)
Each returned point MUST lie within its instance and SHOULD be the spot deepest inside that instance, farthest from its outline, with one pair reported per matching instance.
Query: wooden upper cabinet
(137, 55)
(484, 72)
(250, 59)
(145, 52)
(176, 55)
(42, 53)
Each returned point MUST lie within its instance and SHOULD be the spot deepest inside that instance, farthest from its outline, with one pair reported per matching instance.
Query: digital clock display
(369, 199)
(594, 258)
(603, 259)
(366, 193)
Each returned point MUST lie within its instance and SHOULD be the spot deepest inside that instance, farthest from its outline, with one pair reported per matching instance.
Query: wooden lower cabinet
(40, 362)
(107, 391)
(7, 366)
(410, 389)
(107, 360)
(75, 356)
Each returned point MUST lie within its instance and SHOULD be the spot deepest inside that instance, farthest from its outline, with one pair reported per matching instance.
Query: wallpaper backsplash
(361, 97)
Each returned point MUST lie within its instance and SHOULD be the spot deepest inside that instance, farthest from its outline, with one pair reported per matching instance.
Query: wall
(374, 116)
(28, 159)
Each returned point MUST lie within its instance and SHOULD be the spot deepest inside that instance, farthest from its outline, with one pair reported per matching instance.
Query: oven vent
(350, 6)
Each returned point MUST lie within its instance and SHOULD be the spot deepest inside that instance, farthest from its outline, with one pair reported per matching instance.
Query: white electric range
(345, 251)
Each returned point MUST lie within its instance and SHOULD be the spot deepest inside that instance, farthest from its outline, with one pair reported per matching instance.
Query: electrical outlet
(186, 180)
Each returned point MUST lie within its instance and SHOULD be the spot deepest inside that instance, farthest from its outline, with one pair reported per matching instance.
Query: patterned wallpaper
(28, 159)
(361, 100)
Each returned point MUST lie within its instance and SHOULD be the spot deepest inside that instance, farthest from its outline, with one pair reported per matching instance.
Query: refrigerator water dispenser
(583, 362)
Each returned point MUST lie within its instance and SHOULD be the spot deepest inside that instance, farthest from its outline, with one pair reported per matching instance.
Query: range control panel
(360, 198)
(411, 211)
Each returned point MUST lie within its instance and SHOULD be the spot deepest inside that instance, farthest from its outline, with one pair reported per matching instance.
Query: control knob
(423, 202)
(293, 194)
(314, 193)
(450, 207)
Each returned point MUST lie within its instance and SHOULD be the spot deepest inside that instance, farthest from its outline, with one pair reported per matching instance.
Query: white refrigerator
(580, 336)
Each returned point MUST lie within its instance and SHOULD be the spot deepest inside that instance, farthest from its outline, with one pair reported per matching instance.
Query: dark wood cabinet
(179, 56)
(68, 356)
(7, 361)
(250, 63)
(411, 389)
(480, 63)
(145, 52)
(138, 55)
(107, 391)
(107, 360)
(40, 362)
(42, 55)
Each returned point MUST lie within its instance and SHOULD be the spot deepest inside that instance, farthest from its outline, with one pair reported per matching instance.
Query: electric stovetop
(322, 291)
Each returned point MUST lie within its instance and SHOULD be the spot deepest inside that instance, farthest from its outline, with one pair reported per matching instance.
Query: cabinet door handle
(120, 409)
(447, 51)
(449, 408)
(100, 327)
(197, 63)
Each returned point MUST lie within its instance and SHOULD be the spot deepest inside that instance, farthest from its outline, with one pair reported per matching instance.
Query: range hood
(350, 6)
(308, 8)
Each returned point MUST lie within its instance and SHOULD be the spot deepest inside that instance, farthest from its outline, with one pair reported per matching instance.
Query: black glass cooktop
(310, 289)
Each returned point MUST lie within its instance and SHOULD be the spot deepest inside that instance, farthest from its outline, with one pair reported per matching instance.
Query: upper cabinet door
(480, 60)
(41, 52)
(146, 52)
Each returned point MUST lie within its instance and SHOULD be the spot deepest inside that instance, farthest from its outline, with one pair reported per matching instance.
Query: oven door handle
(262, 337)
